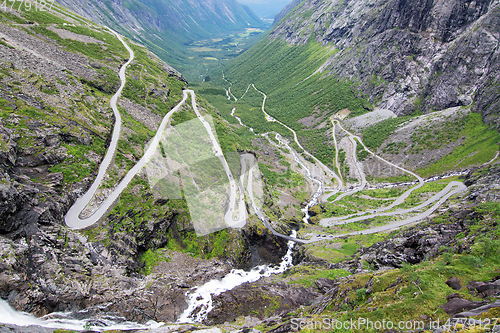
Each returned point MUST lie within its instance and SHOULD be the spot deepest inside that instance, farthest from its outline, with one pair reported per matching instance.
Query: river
(70, 320)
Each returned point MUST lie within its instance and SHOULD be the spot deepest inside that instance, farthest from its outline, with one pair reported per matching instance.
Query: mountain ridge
(426, 56)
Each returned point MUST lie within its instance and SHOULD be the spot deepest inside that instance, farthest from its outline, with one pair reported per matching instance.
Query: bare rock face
(417, 244)
(408, 55)
(484, 187)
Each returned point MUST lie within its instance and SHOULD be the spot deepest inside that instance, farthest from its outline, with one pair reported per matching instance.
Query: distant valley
(266, 9)
(191, 36)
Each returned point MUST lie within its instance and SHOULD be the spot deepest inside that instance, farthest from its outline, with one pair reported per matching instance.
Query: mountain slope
(58, 72)
(266, 9)
(167, 27)
(407, 56)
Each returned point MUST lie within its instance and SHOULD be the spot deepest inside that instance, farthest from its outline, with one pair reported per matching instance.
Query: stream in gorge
(200, 299)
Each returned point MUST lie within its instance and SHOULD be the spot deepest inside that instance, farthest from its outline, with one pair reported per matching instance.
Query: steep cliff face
(407, 56)
(188, 18)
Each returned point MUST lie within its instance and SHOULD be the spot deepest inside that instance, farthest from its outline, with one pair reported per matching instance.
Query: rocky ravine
(408, 55)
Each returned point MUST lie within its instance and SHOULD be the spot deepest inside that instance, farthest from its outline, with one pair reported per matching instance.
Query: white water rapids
(68, 321)
(200, 300)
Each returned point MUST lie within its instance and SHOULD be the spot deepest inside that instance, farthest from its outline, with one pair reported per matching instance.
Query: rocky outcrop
(485, 184)
(485, 289)
(286, 10)
(416, 244)
(261, 299)
(462, 308)
(263, 247)
(408, 55)
(456, 305)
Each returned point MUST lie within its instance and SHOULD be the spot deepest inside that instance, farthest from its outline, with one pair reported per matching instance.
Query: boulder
(456, 305)
(452, 296)
(477, 311)
(454, 283)
(324, 285)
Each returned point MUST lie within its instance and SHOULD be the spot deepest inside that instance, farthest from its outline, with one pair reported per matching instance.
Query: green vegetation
(222, 244)
(361, 153)
(392, 179)
(307, 276)
(288, 179)
(394, 147)
(193, 49)
(375, 135)
(78, 166)
(230, 139)
(107, 82)
(5, 44)
(92, 50)
(182, 116)
(479, 146)
(290, 96)
(144, 76)
(151, 259)
(349, 205)
(413, 292)
(434, 137)
(392, 192)
(335, 251)
(60, 330)
(427, 278)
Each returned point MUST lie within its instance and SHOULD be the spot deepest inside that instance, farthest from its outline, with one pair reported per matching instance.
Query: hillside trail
(72, 217)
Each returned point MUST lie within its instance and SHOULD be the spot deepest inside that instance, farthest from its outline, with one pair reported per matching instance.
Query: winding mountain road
(360, 172)
(240, 221)
(248, 159)
(271, 119)
(237, 200)
(72, 218)
(438, 199)
(314, 199)
(396, 202)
